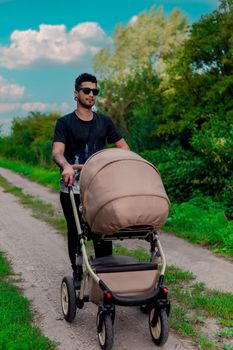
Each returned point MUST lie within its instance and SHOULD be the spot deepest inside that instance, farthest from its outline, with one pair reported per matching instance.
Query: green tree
(132, 68)
(31, 138)
(200, 86)
(144, 42)
(132, 103)
(197, 101)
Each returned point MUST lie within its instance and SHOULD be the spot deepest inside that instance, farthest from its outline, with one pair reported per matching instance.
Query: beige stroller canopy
(120, 189)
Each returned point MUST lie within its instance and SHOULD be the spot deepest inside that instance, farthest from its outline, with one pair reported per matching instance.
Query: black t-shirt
(84, 138)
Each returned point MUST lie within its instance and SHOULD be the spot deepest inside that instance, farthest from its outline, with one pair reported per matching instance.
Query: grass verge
(206, 225)
(48, 177)
(40, 209)
(17, 331)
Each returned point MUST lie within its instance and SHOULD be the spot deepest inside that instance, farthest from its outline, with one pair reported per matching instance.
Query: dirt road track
(39, 255)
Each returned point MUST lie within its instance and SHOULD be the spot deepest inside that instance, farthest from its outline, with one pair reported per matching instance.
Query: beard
(86, 105)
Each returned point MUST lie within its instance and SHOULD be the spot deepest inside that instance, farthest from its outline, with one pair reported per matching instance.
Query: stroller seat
(124, 275)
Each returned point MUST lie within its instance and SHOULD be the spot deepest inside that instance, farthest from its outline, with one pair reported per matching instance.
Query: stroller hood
(119, 189)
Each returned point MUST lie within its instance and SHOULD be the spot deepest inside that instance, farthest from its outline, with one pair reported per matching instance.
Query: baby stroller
(122, 197)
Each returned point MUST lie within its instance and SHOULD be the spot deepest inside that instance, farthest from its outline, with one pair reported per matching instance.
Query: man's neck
(84, 113)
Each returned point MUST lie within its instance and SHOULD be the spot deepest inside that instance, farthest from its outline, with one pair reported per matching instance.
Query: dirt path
(39, 255)
(29, 187)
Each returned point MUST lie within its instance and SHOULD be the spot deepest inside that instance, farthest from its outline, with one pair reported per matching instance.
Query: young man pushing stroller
(77, 136)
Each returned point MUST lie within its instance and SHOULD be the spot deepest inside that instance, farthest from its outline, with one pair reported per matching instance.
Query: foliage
(196, 118)
(49, 177)
(202, 221)
(179, 170)
(185, 173)
(200, 84)
(30, 139)
(171, 93)
(142, 43)
(136, 96)
(132, 69)
(198, 106)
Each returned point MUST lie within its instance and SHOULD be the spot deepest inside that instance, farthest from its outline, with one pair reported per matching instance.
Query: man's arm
(122, 144)
(60, 160)
(58, 154)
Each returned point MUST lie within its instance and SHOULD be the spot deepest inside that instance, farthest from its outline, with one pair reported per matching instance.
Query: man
(77, 136)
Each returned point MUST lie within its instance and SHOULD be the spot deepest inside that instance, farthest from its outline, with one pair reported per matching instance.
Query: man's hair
(84, 77)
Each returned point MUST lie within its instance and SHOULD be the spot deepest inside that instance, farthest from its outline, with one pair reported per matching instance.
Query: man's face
(86, 94)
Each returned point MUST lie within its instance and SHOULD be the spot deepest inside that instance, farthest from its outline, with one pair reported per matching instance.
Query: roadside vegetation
(44, 176)
(17, 331)
(201, 315)
(40, 209)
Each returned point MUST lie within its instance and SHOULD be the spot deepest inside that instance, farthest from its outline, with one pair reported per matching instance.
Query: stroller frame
(155, 303)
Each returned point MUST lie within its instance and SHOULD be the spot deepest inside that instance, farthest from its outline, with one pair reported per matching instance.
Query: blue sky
(45, 44)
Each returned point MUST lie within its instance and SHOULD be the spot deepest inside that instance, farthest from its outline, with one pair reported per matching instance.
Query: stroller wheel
(105, 331)
(158, 323)
(68, 299)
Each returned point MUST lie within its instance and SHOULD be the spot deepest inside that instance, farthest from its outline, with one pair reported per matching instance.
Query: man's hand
(77, 166)
(68, 175)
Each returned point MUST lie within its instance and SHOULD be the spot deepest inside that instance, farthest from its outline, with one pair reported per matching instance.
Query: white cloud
(8, 111)
(53, 44)
(10, 91)
(32, 106)
(43, 107)
(8, 107)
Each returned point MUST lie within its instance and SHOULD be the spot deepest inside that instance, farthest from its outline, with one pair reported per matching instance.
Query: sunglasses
(87, 91)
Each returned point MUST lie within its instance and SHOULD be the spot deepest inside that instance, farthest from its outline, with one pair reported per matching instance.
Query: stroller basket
(125, 277)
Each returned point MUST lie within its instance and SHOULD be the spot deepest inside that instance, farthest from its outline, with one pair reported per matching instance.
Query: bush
(179, 169)
(201, 220)
(185, 173)
(30, 139)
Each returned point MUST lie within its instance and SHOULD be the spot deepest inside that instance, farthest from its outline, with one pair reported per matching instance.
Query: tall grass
(203, 223)
(49, 177)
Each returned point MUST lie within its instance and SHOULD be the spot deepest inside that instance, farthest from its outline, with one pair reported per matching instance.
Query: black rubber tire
(105, 337)
(160, 332)
(68, 299)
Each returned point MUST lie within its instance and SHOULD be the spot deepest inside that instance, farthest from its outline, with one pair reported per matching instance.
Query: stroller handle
(74, 207)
